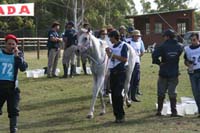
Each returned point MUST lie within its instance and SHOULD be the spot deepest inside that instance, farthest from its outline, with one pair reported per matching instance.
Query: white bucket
(41, 72)
(29, 74)
(35, 74)
(185, 99)
(88, 70)
(57, 71)
(165, 109)
(78, 70)
(180, 109)
(190, 109)
(168, 108)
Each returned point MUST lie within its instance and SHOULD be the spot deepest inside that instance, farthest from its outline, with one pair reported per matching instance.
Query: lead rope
(170, 26)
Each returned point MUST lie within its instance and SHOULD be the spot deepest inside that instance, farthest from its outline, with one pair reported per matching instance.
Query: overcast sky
(192, 4)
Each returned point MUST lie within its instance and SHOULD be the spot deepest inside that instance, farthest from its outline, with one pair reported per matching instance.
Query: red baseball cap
(11, 36)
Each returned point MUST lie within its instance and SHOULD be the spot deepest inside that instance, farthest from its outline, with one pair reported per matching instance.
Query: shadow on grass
(131, 122)
(49, 103)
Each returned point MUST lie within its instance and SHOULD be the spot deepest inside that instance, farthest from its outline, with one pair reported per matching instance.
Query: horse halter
(86, 45)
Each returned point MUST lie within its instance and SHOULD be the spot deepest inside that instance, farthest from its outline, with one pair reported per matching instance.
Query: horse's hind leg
(126, 89)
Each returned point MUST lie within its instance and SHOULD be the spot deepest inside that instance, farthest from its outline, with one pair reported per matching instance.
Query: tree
(168, 5)
(197, 20)
(97, 12)
(146, 6)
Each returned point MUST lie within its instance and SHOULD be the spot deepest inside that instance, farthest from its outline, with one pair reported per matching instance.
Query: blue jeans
(195, 83)
(135, 80)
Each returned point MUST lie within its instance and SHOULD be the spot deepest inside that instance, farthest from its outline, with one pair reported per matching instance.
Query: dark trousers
(135, 79)
(12, 97)
(195, 82)
(117, 80)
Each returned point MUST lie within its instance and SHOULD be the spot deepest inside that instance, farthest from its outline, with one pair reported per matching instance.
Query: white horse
(95, 50)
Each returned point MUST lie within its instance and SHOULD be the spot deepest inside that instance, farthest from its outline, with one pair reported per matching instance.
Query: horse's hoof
(102, 113)
(128, 104)
(89, 116)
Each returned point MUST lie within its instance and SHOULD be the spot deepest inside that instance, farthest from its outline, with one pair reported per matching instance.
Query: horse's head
(84, 41)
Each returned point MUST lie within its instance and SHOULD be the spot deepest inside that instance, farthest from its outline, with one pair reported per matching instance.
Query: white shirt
(193, 55)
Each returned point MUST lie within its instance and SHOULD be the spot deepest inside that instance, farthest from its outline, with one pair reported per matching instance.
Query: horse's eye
(85, 39)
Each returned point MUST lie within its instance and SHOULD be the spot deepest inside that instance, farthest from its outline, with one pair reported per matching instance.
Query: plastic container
(185, 99)
(78, 70)
(180, 109)
(190, 108)
(88, 70)
(57, 71)
(29, 74)
(165, 109)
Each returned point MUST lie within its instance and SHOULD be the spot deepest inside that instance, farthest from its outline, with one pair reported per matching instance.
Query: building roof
(163, 12)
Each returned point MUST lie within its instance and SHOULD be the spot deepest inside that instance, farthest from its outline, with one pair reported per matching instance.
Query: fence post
(38, 49)
(22, 43)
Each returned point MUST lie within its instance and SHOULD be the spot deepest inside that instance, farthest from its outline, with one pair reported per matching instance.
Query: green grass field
(61, 105)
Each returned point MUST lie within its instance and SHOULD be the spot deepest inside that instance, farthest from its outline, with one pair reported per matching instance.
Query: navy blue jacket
(71, 37)
(50, 44)
(167, 57)
(19, 64)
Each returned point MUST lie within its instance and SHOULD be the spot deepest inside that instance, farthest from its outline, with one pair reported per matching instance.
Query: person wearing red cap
(11, 59)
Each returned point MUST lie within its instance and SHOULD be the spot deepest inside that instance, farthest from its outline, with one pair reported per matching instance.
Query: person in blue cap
(11, 59)
(69, 56)
(166, 56)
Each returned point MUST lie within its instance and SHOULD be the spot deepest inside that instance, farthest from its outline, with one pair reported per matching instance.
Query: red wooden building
(152, 25)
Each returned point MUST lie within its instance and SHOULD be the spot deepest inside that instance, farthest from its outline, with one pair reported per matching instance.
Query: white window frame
(158, 28)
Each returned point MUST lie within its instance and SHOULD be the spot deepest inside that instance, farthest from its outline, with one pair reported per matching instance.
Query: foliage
(197, 22)
(98, 13)
(146, 6)
(21, 26)
(168, 5)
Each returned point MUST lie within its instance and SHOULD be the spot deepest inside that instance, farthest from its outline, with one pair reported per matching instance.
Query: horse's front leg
(94, 97)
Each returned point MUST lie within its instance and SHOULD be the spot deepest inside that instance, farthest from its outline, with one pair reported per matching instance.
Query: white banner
(25, 9)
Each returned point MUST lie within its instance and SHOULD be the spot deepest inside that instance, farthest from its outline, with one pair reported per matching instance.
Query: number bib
(194, 56)
(6, 66)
